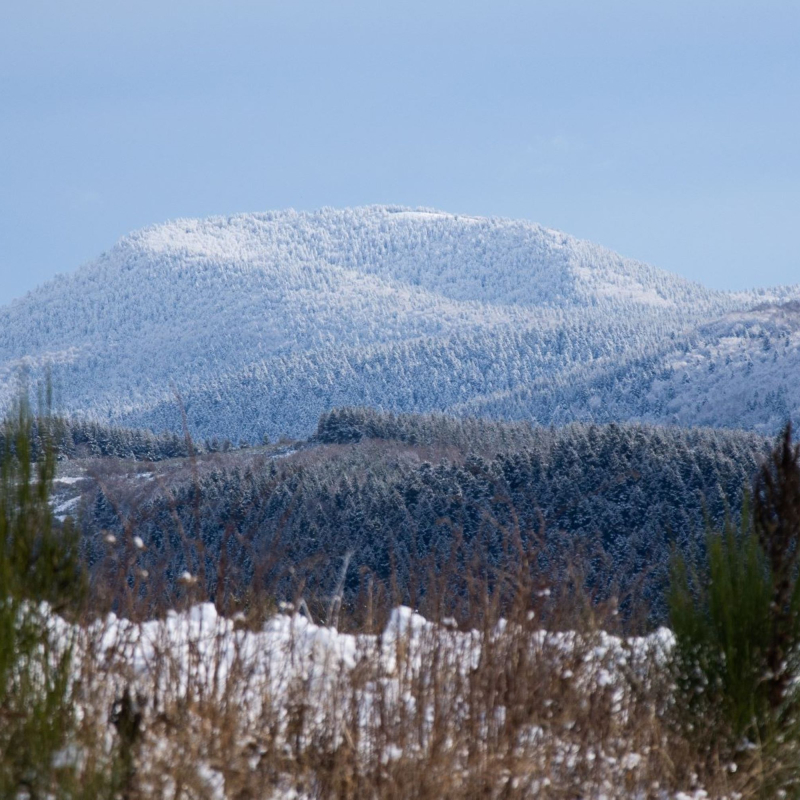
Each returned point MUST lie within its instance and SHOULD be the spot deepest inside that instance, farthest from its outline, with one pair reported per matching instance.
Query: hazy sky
(668, 130)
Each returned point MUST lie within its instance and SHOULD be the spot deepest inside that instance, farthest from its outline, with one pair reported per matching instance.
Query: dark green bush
(737, 626)
(40, 569)
(723, 625)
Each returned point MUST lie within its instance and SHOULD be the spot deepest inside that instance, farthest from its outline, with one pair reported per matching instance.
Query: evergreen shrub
(40, 570)
(737, 629)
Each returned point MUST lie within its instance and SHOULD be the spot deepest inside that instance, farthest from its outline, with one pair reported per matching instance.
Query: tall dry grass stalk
(196, 705)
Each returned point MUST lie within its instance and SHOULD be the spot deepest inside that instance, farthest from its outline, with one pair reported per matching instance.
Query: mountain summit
(260, 322)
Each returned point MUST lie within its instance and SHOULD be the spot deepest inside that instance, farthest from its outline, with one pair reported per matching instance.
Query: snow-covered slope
(262, 321)
(741, 370)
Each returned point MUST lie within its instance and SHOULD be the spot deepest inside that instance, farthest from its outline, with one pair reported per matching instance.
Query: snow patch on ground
(205, 649)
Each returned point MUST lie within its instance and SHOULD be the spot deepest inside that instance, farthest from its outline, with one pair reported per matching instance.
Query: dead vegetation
(198, 706)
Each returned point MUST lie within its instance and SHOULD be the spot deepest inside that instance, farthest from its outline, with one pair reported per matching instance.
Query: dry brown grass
(489, 709)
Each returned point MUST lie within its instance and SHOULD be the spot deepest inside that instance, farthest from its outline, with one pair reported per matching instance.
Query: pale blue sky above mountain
(665, 130)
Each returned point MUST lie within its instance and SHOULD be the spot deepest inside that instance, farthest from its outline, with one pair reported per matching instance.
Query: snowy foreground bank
(297, 710)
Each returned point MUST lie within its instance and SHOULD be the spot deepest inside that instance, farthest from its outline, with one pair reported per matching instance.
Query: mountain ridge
(225, 310)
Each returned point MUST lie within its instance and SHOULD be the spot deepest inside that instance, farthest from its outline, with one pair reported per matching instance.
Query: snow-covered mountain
(262, 321)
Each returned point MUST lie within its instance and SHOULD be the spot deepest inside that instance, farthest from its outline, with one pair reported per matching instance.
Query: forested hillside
(740, 371)
(394, 492)
(256, 324)
(80, 439)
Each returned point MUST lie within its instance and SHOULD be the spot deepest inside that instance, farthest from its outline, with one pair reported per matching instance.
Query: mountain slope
(262, 321)
(740, 371)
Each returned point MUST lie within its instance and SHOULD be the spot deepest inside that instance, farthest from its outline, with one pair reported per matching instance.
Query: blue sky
(668, 131)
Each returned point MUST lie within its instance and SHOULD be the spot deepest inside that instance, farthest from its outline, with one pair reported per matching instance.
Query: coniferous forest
(390, 492)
